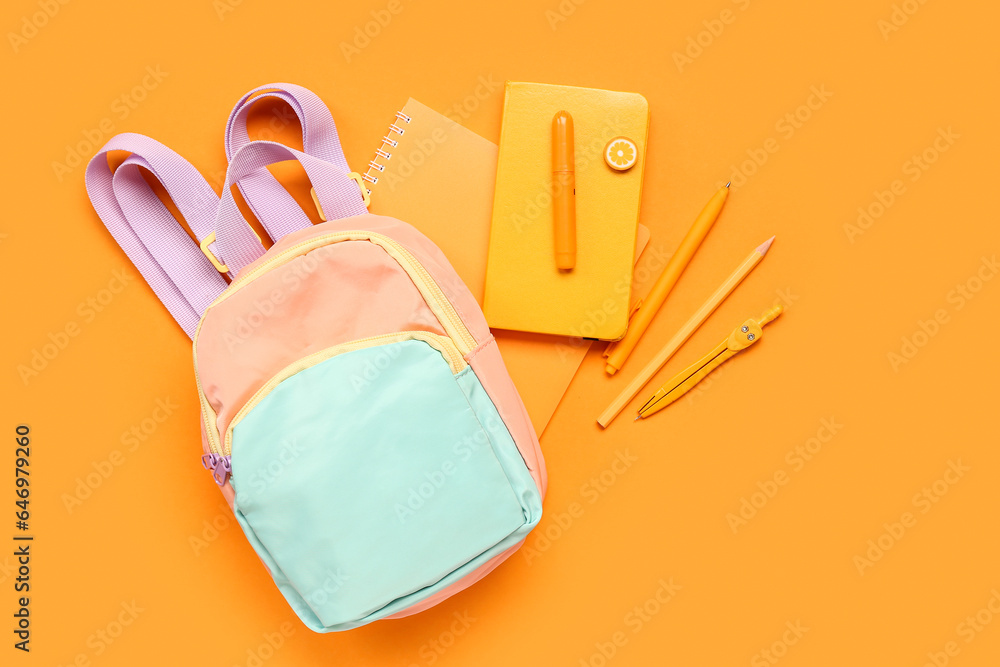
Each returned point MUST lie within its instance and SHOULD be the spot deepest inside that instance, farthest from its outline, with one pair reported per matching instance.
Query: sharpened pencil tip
(729, 183)
(763, 247)
(636, 419)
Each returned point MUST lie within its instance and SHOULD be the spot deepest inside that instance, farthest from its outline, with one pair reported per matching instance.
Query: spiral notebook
(439, 176)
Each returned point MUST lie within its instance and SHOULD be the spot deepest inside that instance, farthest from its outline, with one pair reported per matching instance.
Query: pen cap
(563, 157)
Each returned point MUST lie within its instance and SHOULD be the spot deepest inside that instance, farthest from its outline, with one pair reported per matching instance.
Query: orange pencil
(564, 190)
(618, 352)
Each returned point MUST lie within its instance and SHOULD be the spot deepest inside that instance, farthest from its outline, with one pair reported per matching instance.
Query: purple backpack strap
(267, 198)
(174, 266)
(180, 272)
(237, 241)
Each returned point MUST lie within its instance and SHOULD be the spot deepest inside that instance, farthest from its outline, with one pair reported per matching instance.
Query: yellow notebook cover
(439, 178)
(524, 289)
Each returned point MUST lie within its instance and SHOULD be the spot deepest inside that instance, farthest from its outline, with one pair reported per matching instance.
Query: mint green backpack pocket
(387, 461)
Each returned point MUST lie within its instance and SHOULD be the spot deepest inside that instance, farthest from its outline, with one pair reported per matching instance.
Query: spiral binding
(383, 151)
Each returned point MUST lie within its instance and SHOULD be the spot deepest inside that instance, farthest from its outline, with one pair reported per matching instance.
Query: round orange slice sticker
(621, 153)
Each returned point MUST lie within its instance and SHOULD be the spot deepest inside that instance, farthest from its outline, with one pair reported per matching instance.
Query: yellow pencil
(685, 332)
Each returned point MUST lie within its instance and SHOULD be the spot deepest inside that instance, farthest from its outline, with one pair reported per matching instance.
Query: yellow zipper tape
(440, 343)
(428, 289)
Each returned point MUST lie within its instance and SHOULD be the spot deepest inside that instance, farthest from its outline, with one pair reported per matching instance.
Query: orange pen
(564, 190)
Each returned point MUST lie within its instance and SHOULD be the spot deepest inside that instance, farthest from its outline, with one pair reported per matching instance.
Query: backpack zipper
(461, 336)
(428, 288)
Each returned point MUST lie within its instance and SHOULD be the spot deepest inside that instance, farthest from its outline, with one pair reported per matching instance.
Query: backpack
(355, 409)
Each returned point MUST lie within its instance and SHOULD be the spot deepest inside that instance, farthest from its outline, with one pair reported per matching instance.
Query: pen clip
(610, 348)
(635, 309)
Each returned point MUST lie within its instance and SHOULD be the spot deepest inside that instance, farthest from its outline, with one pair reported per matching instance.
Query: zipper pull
(221, 466)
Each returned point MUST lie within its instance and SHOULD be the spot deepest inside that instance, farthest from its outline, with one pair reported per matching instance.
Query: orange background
(850, 304)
